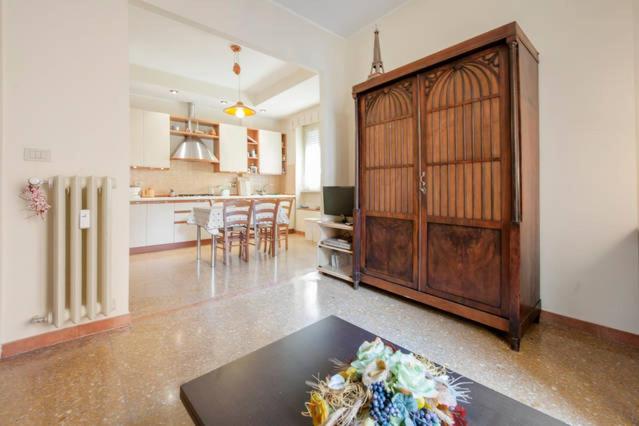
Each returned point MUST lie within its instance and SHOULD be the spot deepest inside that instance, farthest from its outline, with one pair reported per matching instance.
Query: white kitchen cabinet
(300, 218)
(185, 231)
(270, 152)
(162, 223)
(157, 139)
(150, 140)
(136, 120)
(159, 228)
(137, 225)
(233, 153)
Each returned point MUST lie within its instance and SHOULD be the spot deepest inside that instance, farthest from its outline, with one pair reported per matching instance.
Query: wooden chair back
(265, 211)
(287, 205)
(237, 213)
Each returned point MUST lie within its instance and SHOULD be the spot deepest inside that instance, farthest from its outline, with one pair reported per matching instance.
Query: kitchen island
(160, 223)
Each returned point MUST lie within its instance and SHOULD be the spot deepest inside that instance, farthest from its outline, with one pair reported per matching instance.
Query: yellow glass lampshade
(239, 110)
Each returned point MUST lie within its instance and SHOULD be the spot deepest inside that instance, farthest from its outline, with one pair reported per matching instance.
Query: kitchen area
(179, 163)
(211, 122)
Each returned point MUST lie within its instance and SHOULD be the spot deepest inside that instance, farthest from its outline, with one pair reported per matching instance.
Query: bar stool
(264, 224)
(235, 230)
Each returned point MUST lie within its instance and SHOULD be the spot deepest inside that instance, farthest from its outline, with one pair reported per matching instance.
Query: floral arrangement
(384, 386)
(36, 198)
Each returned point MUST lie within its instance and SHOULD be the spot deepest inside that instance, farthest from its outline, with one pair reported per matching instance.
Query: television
(339, 200)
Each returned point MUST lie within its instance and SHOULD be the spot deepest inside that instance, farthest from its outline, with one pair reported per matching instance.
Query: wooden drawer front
(464, 265)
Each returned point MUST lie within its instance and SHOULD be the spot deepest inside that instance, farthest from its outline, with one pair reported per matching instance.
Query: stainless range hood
(192, 148)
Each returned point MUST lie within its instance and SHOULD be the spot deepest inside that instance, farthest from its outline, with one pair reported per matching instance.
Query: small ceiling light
(238, 110)
(174, 92)
(262, 110)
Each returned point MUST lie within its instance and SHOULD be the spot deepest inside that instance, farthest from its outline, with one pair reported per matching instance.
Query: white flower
(450, 392)
(375, 372)
(337, 382)
(445, 395)
(369, 352)
(412, 376)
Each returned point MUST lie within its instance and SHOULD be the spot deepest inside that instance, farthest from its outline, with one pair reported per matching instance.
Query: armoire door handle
(422, 183)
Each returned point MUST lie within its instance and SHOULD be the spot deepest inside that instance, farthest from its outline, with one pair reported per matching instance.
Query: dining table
(211, 219)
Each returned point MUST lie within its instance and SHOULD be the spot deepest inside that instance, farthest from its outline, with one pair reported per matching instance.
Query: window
(312, 158)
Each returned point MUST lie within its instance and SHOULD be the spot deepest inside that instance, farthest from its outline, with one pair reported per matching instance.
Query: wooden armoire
(447, 182)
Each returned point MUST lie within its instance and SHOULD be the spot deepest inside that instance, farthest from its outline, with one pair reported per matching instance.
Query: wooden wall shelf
(193, 134)
(252, 141)
(200, 121)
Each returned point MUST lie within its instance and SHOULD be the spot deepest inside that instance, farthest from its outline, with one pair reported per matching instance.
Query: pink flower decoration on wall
(36, 199)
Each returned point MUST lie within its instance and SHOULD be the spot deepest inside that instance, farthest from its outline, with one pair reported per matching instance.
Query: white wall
(66, 69)
(264, 26)
(65, 89)
(635, 4)
(589, 217)
(2, 139)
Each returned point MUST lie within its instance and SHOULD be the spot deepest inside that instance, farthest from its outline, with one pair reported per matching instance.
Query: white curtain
(312, 158)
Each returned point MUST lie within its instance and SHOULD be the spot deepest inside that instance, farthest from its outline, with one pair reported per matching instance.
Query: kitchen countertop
(206, 197)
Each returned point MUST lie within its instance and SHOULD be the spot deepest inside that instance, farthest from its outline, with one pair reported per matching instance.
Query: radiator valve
(42, 319)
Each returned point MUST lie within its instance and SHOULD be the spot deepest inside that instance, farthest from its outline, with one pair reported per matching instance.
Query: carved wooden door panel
(388, 183)
(464, 145)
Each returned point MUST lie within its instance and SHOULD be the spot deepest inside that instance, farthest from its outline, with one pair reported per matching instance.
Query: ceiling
(166, 54)
(341, 17)
(296, 98)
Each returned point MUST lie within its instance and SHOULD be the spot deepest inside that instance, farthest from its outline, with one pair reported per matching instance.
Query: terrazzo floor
(186, 323)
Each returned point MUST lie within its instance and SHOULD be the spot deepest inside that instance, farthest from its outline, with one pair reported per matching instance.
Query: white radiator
(81, 257)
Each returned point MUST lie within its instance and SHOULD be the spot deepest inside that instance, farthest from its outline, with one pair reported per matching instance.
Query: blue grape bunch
(382, 407)
(424, 417)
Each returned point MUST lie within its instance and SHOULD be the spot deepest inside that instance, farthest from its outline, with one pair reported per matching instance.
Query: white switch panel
(35, 154)
(85, 219)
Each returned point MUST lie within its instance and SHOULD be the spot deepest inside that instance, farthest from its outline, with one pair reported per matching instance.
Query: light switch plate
(35, 154)
(85, 219)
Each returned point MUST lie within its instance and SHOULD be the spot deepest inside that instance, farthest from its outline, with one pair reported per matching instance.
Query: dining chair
(283, 228)
(236, 216)
(264, 224)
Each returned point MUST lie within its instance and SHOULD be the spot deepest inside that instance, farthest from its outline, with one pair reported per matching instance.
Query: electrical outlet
(35, 154)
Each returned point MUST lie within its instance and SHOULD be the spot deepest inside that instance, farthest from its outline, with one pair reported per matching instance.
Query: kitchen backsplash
(186, 177)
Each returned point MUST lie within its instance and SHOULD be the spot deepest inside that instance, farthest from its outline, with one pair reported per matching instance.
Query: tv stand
(344, 270)
(344, 219)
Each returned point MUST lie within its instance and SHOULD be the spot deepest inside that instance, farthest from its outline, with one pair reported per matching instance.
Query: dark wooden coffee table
(267, 387)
